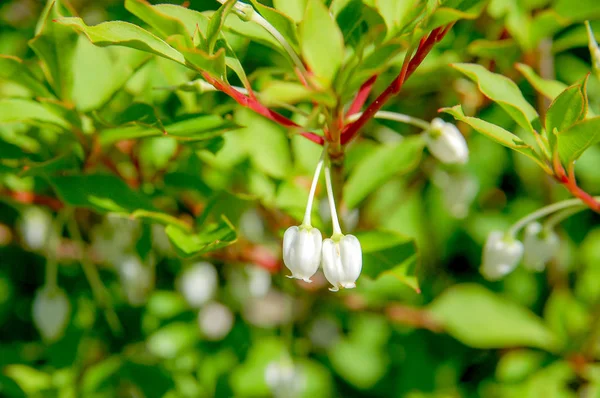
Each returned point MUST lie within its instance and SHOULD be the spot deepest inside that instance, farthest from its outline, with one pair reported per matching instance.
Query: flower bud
(342, 261)
(446, 143)
(215, 321)
(540, 246)
(302, 251)
(501, 255)
(51, 309)
(198, 283)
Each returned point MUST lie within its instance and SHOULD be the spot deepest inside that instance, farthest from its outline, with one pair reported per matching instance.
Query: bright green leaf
(293, 8)
(567, 109)
(549, 88)
(381, 165)
(215, 25)
(212, 237)
(321, 42)
(284, 24)
(579, 137)
(13, 69)
(23, 110)
(165, 24)
(482, 319)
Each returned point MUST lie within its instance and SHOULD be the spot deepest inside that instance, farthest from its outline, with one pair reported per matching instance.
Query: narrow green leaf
(452, 11)
(55, 44)
(389, 253)
(60, 164)
(165, 24)
(381, 165)
(567, 109)
(496, 133)
(124, 34)
(482, 319)
(192, 20)
(502, 90)
(99, 192)
(321, 42)
(23, 110)
(212, 237)
(549, 88)
(197, 128)
(215, 25)
(13, 69)
(160, 218)
(284, 24)
(594, 49)
(579, 137)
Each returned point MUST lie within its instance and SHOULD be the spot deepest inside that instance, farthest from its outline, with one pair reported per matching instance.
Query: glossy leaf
(482, 319)
(567, 109)
(165, 24)
(323, 56)
(378, 167)
(579, 137)
(211, 237)
(389, 253)
(502, 90)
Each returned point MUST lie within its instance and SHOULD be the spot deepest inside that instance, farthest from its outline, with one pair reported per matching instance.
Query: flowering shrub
(155, 192)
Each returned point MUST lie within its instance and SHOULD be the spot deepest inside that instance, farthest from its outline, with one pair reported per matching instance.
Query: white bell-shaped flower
(446, 143)
(540, 246)
(302, 251)
(501, 255)
(342, 261)
(302, 244)
(51, 310)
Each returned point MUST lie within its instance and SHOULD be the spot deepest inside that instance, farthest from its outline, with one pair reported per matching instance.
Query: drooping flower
(540, 246)
(302, 244)
(501, 255)
(51, 310)
(446, 143)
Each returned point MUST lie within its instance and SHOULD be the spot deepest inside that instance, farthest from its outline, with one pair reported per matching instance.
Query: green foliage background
(83, 150)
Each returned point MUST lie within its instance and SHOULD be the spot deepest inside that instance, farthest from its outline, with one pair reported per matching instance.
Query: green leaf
(389, 253)
(160, 218)
(496, 133)
(172, 339)
(201, 61)
(284, 24)
(378, 167)
(454, 10)
(60, 164)
(549, 88)
(165, 24)
(124, 34)
(585, 9)
(192, 20)
(579, 137)
(502, 90)
(293, 8)
(266, 143)
(55, 44)
(482, 319)
(194, 129)
(216, 24)
(321, 42)
(99, 192)
(13, 69)
(212, 237)
(23, 110)
(567, 109)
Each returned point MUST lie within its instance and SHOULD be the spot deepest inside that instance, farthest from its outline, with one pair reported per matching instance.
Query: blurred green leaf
(13, 69)
(23, 110)
(324, 57)
(389, 253)
(30, 380)
(293, 8)
(212, 237)
(586, 9)
(165, 24)
(61, 164)
(55, 44)
(100, 192)
(215, 24)
(480, 318)
(381, 165)
(172, 339)
(284, 24)
(360, 365)
(99, 374)
(502, 90)
(549, 88)
(579, 137)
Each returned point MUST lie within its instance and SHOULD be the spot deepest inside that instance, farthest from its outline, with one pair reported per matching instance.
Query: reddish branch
(361, 97)
(409, 66)
(570, 183)
(33, 198)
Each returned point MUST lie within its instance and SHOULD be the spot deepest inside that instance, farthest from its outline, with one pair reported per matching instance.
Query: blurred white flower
(114, 237)
(35, 225)
(458, 190)
(136, 279)
(252, 226)
(501, 255)
(342, 262)
(540, 246)
(198, 283)
(284, 379)
(51, 311)
(350, 218)
(324, 332)
(259, 280)
(273, 309)
(215, 321)
(446, 143)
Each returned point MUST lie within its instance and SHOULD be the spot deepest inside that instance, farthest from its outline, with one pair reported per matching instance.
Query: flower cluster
(304, 250)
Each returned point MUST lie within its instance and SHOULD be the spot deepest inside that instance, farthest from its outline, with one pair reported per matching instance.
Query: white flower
(136, 279)
(35, 225)
(446, 143)
(283, 378)
(215, 321)
(198, 283)
(51, 310)
(342, 261)
(540, 246)
(302, 251)
(501, 255)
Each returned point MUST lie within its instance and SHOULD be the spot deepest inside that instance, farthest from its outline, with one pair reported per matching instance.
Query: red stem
(256, 106)
(361, 97)
(571, 184)
(394, 88)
